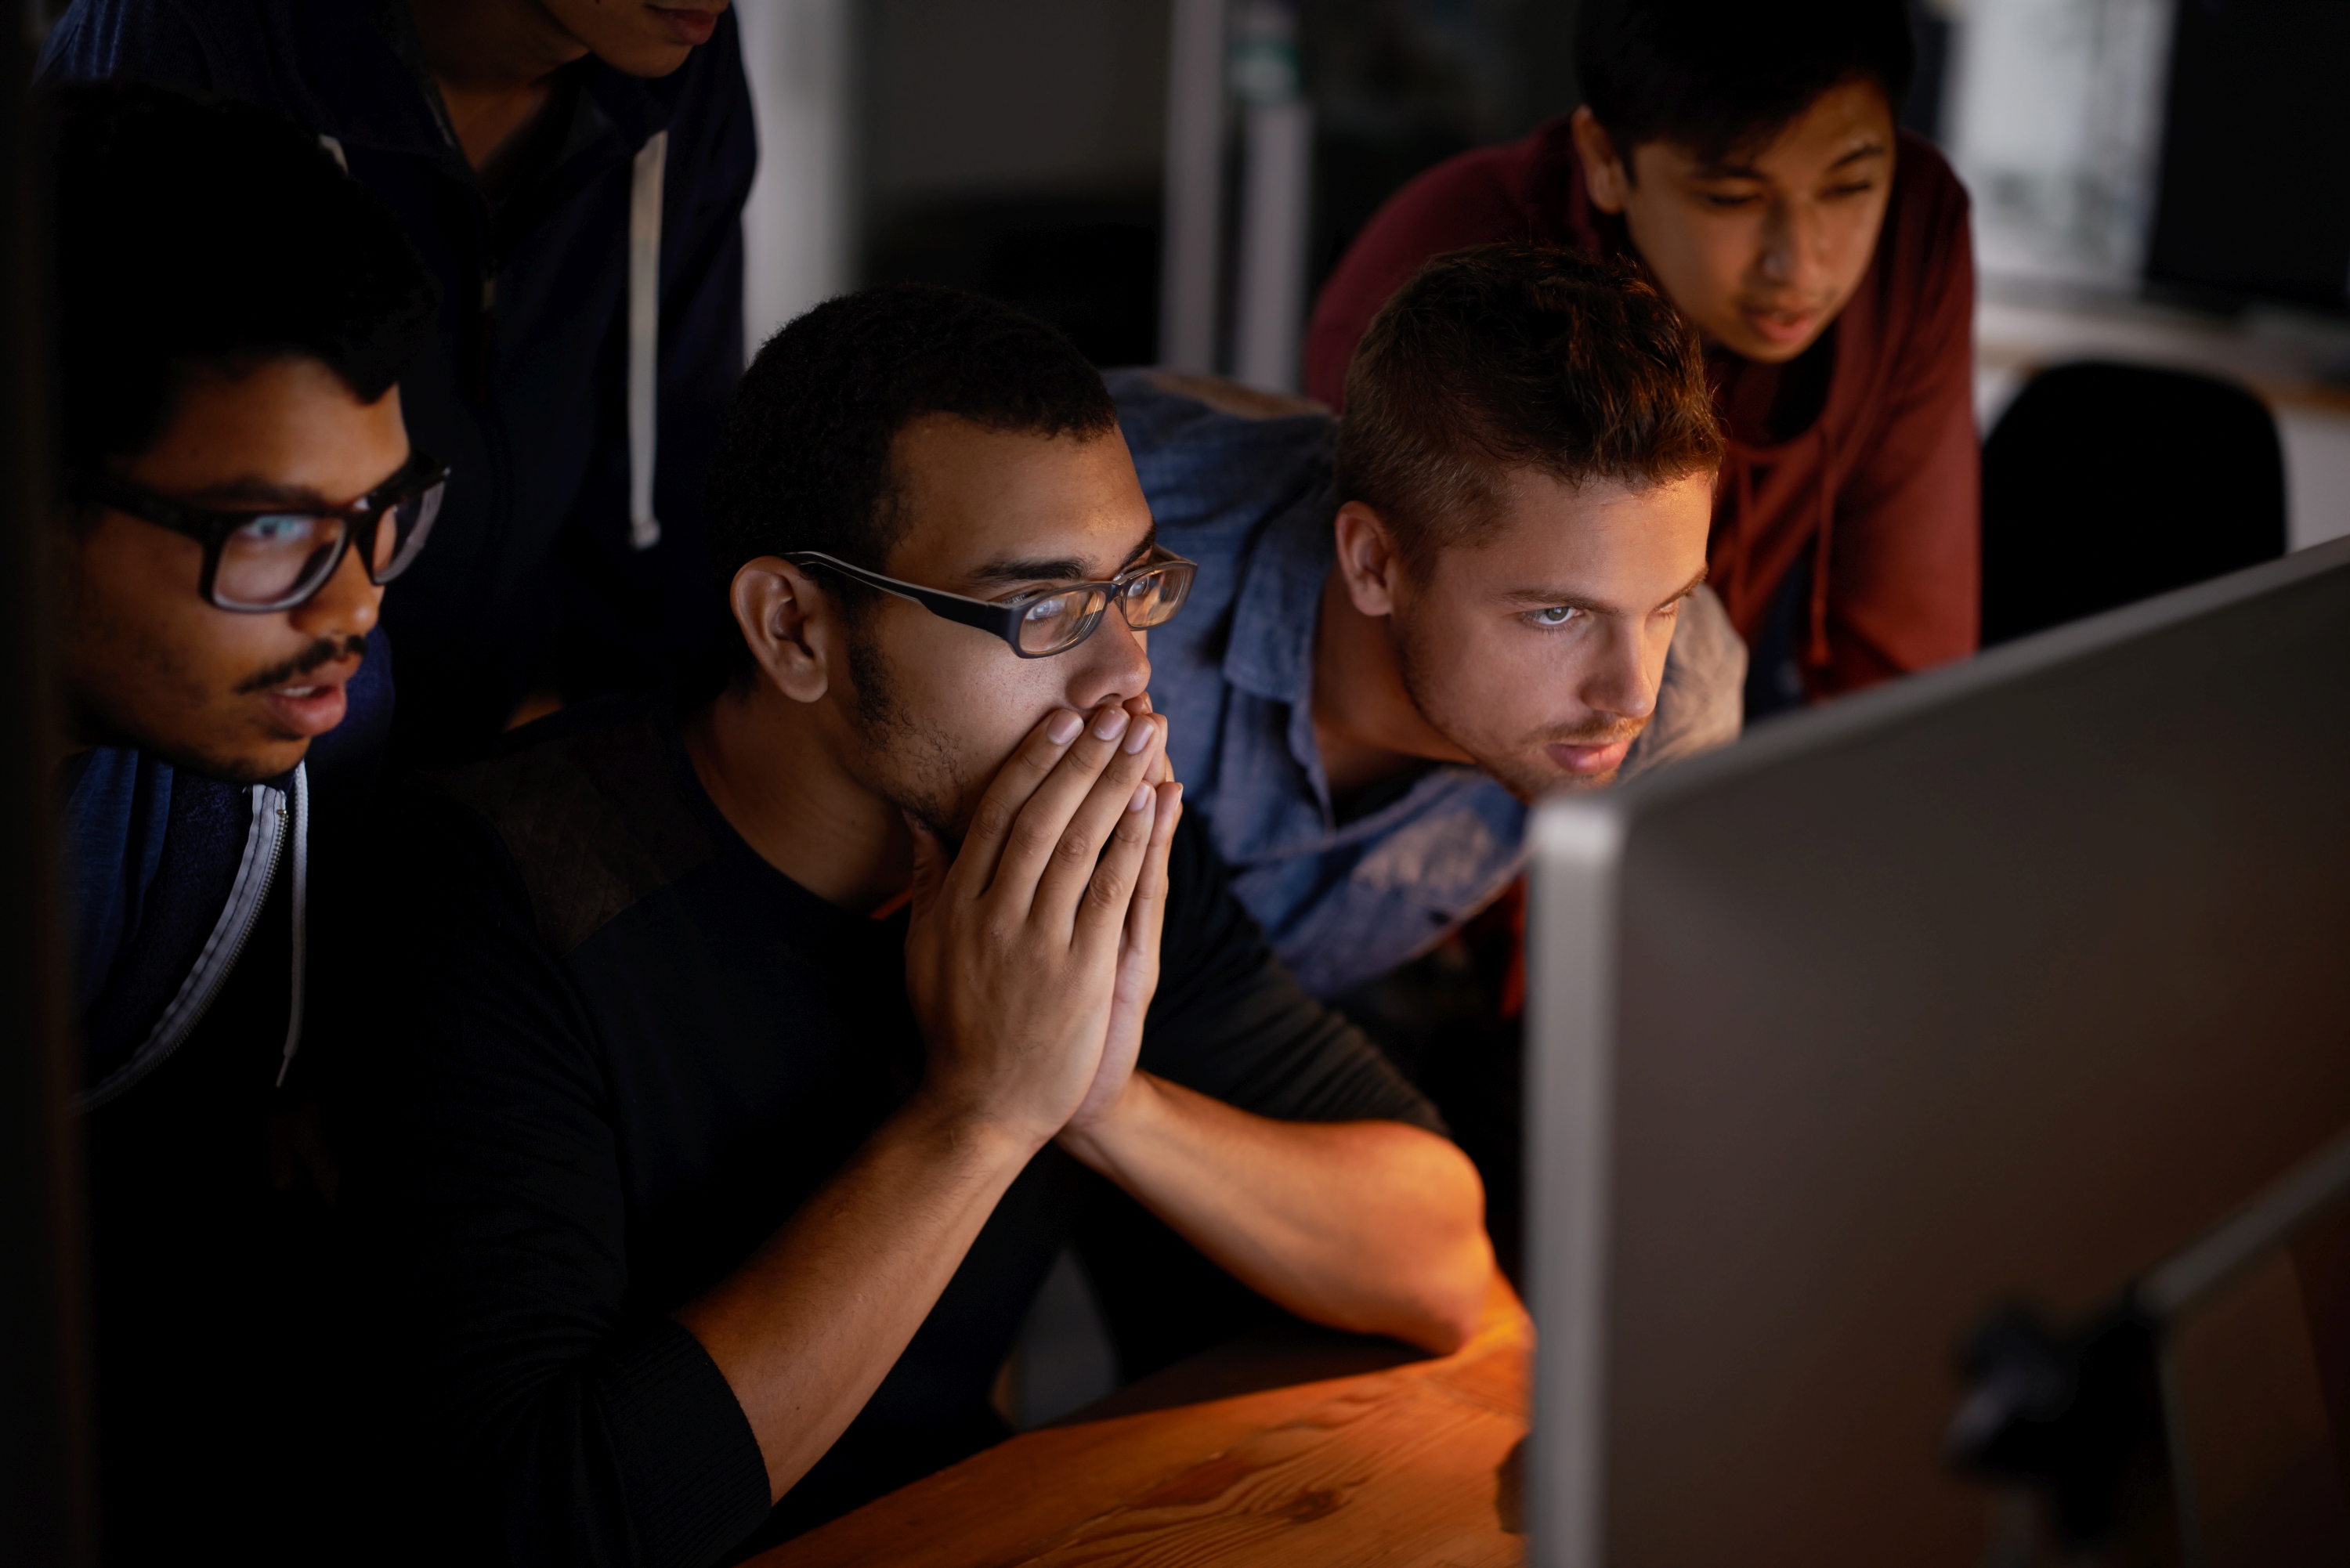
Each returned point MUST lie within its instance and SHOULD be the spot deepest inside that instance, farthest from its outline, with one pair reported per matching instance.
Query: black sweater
(623, 1051)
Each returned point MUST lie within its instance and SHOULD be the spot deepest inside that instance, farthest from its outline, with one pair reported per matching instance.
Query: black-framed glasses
(273, 560)
(1041, 622)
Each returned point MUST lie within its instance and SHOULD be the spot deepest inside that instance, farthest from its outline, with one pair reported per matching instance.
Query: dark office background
(2256, 128)
(45, 1476)
(1016, 146)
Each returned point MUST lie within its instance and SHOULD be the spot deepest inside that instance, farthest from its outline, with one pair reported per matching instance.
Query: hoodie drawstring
(644, 334)
(298, 792)
(1733, 562)
(646, 178)
(1817, 654)
(1729, 572)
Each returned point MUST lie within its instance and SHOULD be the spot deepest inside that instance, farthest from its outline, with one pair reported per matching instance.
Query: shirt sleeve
(1905, 568)
(1229, 1022)
(561, 1422)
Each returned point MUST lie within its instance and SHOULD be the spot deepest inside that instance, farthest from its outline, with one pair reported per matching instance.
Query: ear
(1605, 174)
(1368, 561)
(791, 625)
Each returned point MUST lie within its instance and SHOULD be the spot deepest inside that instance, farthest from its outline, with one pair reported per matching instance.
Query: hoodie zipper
(115, 1087)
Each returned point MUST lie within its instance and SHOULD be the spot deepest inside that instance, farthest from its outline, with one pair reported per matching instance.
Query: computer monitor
(2006, 982)
(2254, 102)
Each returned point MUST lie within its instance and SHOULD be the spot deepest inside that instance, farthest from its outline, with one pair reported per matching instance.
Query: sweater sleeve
(1463, 202)
(555, 1420)
(1228, 1021)
(1906, 563)
(142, 40)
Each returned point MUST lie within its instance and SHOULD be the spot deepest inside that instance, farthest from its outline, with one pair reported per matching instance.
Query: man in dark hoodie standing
(573, 173)
(240, 486)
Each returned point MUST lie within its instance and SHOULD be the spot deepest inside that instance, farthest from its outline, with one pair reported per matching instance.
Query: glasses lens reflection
(403, 532)
(1151, 599)
(271, 559)
(1060, 620)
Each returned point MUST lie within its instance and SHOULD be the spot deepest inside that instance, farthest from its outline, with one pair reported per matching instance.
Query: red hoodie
(1862, 450)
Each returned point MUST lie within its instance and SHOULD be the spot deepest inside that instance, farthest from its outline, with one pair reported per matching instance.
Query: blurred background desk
(1294, 1447)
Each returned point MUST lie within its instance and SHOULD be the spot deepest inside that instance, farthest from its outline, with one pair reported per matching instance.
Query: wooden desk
(1296, 1449)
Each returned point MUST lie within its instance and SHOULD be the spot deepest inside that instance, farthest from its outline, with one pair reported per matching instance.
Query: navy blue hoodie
(534, 571)
(214, 925)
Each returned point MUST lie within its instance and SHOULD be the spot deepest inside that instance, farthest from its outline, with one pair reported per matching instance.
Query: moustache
(326, 650)
(1595, 732)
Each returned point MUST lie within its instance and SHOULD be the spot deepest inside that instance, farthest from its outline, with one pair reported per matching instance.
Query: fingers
(1113, 881)
(1147, 909)
(1170, 813)
(1030, 764)
(1046, 833)
(930, 865)
(1138, 706)
(1123, 791)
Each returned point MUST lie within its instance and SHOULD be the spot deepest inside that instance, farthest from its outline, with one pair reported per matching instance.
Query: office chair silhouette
(2106, 484)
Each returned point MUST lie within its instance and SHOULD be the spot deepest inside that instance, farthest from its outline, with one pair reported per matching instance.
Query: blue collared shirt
(1248, 497)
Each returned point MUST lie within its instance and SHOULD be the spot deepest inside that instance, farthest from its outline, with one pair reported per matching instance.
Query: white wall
(2316, 473)
(798, 227)
(2054, 120)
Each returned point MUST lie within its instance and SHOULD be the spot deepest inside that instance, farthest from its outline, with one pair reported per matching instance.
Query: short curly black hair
(1719, 75)
(803, 460)
(198, 237)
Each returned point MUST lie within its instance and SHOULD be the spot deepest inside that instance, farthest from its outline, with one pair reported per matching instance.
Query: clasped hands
(1032, 953)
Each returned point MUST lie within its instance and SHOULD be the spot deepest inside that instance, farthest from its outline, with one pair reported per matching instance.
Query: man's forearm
(806, 1331)
(1372, 1226)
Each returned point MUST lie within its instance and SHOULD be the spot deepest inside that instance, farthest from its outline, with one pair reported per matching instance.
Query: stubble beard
(96, 721)
(908, 762)
(94, 726)
(1523, 776)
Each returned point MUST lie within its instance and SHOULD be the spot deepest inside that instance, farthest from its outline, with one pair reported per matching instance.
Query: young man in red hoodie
(1746, 155)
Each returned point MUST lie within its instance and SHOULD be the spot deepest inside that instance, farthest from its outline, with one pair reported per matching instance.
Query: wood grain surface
(1298, 1447)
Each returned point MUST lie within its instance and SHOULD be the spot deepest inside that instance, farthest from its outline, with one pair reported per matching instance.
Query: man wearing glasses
(573, 172)
(766, 1048)
(234, 314)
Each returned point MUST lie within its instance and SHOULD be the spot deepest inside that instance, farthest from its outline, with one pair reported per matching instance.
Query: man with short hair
(1482, 584)
(1745, 156)
(240, 487)
(1486, 581)
(710, 1173)
(573, 172)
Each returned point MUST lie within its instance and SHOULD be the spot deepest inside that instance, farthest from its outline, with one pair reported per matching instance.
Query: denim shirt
(1247, 495)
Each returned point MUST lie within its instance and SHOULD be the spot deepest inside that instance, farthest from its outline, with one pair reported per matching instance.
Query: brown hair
(1517, 356)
